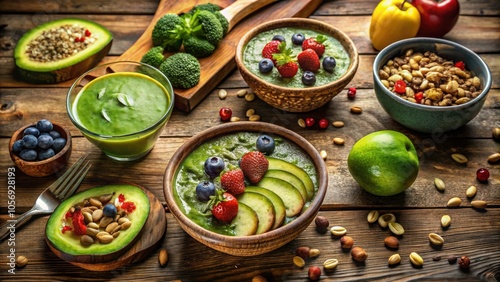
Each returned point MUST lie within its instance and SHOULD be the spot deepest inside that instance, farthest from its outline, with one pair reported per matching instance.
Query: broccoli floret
(154, 57)
(198, 47)
(168, 32)
(207, 7)
(204, 24)
(223, 22)
(182, 70)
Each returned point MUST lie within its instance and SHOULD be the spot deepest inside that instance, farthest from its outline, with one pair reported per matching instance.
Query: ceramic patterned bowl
(244, 245)
(426, 118)
(293, 99)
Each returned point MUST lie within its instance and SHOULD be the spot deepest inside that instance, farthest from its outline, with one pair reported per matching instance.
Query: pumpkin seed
(86, 240)
(436, 239)
(471, 191)
(445, 220)
(439, 184)
(394, 259)
(222, 94)
(115, 234)
(396, 228)
(105, 238)
(454, 202)
(330, 264)
(459, 158)
(479, 204)
(338, 231)
(372, 216)
(416, 259)
(87, 217)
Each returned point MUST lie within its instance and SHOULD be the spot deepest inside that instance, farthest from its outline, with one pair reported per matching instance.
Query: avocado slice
(290, 178)
(68, 243)
(66, 68)
(279, 206)
(277, 164)
(262, 206)
(291, 197)
(246, 221)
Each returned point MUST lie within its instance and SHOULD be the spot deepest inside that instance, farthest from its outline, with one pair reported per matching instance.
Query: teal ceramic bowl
(424, 118)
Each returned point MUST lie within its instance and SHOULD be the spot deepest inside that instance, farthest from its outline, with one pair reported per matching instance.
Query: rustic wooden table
(473, 233)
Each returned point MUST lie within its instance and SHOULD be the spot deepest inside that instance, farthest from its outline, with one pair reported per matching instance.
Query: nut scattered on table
(372, 216)
(439, 183)
(338, 141)
(471, 191)
(249, 113)
(464, 262)
(298, 261)
(301, 122)
(384, 219)
(330, 264)
(445, 220)
(494, 158)
(416, 259)
(241, 93)
(459, 158)
(454, 202)
(346, 242)
(394, 259)
(21, 261)
(338, 231)
(479, 204)
(359, 254)
(302, 252)
(222, 94)
(452, 259)
(321, 222)
(259, 278)
(323, 154)
(436, 239)
(391, 242)
(396, 228)
(338, 123)
(495, 133)
(356, 110)
(314, 253)
(163, 257)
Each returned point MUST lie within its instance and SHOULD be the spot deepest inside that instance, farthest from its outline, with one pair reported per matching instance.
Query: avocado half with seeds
(66, 68)
(61, 234)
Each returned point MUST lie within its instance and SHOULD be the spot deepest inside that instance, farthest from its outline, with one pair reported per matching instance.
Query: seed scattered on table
(249, 97)
(21, 261)
(323, 154)
(222, 94)
(234, 119)
(301, 122)
(459, 158)
(254, 118)
(241, 93)
(338, 141)
(454, 202)
(479, 204)
(250, 112)
(445, 221)
(338, 124)
(494, 158)
(439, 183)
(394, 259)
(356, 110)
(471, 191)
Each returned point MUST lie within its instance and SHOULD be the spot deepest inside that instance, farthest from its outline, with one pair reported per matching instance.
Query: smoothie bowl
(121, 107)
(245, 188)
(319, 75)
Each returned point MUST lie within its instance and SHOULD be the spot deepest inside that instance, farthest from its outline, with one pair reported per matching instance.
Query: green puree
(231, 148)
(121, 103)
(253, 54)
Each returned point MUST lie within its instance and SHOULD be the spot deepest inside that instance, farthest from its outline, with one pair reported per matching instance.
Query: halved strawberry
(285, 62)
(316, 44)
(309, 60)
(254, 165)
(225, 207)
(272, 47)
(233, 181)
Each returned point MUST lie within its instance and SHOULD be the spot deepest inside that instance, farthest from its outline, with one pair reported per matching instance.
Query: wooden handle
(242, 8)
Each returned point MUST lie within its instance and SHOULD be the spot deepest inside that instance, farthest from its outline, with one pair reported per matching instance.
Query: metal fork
(51, 197)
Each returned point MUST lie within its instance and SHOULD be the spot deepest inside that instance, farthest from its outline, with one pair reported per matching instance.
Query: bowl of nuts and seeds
(430, 85)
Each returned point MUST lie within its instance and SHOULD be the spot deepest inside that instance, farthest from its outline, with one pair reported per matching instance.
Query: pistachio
(384, 219)
(241, 93)
(439, 183)
(396, 228)
(445, 220)
(372, 216)
(436, 239)
(163, 257)
(338, 123)
(391, 242)
(479, 204)
(298, 261)
(21, 261)
(330, 264)
(454, 202)
(338, 231)
(471, 191)
(358, 254)
(416, 259)
(338, 141)
(222, 94)
(394, 259)
(459, 158)
(494, 158)
(356, 110)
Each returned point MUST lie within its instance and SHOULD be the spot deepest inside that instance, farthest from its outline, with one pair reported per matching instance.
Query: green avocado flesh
(68, 243)
(66, 68)
(282, 195)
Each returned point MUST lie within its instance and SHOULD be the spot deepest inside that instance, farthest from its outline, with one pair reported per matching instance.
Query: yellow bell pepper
(393, 20)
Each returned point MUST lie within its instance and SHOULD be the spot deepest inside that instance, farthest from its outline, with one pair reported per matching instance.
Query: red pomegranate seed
(225, 113)
(482, 174)
(460, 65)
(419, 97)
(323, 123)
(351, 93)
(310, 122)
(400, 87)
(87, 32)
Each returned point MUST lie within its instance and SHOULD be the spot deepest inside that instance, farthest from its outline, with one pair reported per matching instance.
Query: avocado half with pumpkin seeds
(73, 236)
(61, 50)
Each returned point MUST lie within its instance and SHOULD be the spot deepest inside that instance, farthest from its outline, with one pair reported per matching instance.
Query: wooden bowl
(297, 99)
(254, 244)
(45, 167)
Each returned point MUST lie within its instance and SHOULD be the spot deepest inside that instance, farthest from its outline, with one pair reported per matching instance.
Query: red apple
(437, 17)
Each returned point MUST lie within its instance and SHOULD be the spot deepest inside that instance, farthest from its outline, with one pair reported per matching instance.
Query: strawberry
(288, 70)
(225, 207)
(233, 181)
(308, 60)
(271, 48)
(254, 165)
(316, 44)
(285, 61)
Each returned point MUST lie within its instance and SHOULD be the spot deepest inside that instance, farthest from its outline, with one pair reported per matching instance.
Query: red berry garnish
(323, 123)
(460, 65)
(400, 87)
(225, 113)
(310, 122)
(419, 97)
(482, 174)
(351, 93)
(87, 32)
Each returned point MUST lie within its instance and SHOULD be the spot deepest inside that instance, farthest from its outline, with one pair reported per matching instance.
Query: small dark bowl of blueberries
(41, 148)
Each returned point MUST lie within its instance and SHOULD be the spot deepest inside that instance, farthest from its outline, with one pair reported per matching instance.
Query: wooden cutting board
(152, 233)
(242, 16)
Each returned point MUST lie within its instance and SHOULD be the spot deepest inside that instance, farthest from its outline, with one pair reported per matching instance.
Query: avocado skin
(66, 69)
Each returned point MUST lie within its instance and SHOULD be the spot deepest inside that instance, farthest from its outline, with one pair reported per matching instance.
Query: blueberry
(30, 141)
(266, 65)
(28, 155)
(46, 153)
(109, 210)
(278, 37)
(265, 144)
(329, 64)
(59, 144)
(17, 147)
(54, 134)
(44, 125)
(45, 141)
(31, 131)
(308, 78)
(298, 38)
(204, 190)
(214, 166)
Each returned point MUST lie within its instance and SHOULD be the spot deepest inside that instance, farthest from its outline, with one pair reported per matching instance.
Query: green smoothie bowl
(245, 188)
(121, 107)
(321, 61)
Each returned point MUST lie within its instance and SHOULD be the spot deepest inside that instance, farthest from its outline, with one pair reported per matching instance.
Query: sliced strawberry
(271, 48)
(233, 181)
(316, 44)
(309, 60)
(254, 165)
(225, 207)
(285, 61)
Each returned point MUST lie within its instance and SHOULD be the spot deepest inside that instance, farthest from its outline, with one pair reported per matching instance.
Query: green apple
(384, 162)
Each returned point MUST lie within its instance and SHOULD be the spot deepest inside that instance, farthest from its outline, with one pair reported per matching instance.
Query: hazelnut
(346, 242)
(21, 261)
(358, 254)
(314, 273)
(391, 242)
(322, 222)
(303, 252)
(464, 262)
